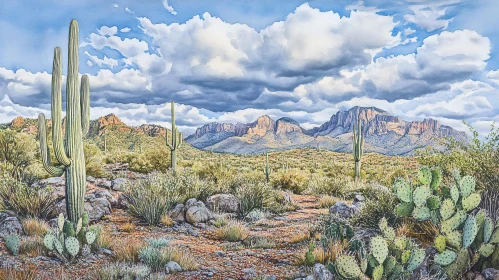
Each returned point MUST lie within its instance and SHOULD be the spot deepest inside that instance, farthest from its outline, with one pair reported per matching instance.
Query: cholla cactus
(176, 141)
(65, 241)
(266, 169)
(358, 149)
(452, 209)
(68, 151)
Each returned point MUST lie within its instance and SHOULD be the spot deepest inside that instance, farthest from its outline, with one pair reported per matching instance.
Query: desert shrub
(18, 149)
(115, 271)
(150, 198)
(292, 180)
(128, 250)
(32, 245)
(149, 161)
(233, 231)
(252, 195)
(103, 239)
(379, 203)
(25, 201)
(336, 186)
(94, 161)
(327, 201)
(476, 157)
(158, 253)
(490, 203)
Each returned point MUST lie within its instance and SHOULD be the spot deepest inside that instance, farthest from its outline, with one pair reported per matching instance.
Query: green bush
(476, 157)
(18, 149)
(25, 201)
(252, 195)
(94, 161)
(337, 186)
(292, 180)
(379, 203)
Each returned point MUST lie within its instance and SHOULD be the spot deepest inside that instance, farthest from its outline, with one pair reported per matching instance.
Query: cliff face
(384, 133)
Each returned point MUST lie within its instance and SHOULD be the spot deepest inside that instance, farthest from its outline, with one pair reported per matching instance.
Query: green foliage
(18, 150)
(477, 157)
(25, 201)
(252, 195)
(379, 204)
(94, 160)
(292, 180)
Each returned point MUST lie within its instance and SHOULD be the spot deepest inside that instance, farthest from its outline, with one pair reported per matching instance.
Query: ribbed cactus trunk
(358, 143)
(69, 152)
(176, 141)
(267, 170)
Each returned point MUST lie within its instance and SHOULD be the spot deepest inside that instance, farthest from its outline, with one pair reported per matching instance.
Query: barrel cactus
(69, 150)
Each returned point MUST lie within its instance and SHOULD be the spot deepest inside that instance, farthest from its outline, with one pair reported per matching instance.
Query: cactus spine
(68, 151)
(267, 170)
(176, 141)
(358, 143)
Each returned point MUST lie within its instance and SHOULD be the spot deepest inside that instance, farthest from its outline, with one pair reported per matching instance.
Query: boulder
(178, 213)
(343, 210)
(118, 184)
(107, 195)
(490, 273)
(322, 273)
(95, 207)
(198, 213)
(225, 203)
(123, 202)
(9, 225)
(103, 183)
(173, 267)
(90, 179)
(190, 203)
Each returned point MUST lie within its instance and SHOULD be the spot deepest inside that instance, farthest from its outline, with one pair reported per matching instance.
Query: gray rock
(359, 198)
(9, 225)
(103, 183)
(225, 203)
(95, 207)
(198, 213)
(322, 273)
(249, 271)
(220, 253)
(122, 202)
(178, 213)
(490, 273)
(190, 203)
(118, 184)
(107, 195)
(90, 179)
(343, 210)
(173, 267)
(52, 182)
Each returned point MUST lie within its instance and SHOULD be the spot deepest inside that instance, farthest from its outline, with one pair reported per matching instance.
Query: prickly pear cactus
(348, 267)
(445, 258)
(90, 237)
(424, 175)
(13, 242)
(48, 241)
(379, 248)
(440, 243)
(84, 219)
(72, 246)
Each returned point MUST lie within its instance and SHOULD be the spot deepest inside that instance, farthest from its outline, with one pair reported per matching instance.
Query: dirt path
(219, 259)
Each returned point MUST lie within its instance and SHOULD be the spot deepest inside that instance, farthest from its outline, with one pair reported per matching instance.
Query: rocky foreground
(269, 250)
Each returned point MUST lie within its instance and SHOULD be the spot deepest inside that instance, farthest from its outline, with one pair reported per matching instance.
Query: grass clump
(128, 250)
(35, 227)
(158, 253)
(233, 231)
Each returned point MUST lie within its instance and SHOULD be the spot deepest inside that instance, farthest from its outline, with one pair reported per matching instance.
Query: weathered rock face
(198, 213)
(98, 126)
(286, 125)
(215, 128)
(97, 205)
(151, 130)
(262, 125)
(178, 213)
(322, 273)
(225, 203)
(343, 210)
(9, 225)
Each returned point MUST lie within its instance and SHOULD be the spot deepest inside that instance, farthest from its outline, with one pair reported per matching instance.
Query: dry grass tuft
(327, 201)
(127, 250)
(233, 231)
(167, 221)
(35, 227)
(9, 273)
(128, 227)
(299, 237)
(32, 245)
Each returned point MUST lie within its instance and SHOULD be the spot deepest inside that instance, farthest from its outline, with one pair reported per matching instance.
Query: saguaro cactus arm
(59, 151)
(44, 149)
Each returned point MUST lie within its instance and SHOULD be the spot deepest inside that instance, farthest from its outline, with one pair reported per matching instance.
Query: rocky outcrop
(193, 212)
(225, 203)
(97, 127)
(383, 132)
(9, 225)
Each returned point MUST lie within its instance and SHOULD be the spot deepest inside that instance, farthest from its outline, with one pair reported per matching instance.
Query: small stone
(220, 253)
(118, 184)
(490, 274)
(249, 271)
(343, 210)
(9, 225)
(173, 267)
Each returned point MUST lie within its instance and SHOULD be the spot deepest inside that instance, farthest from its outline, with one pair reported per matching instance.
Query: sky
(236, 60)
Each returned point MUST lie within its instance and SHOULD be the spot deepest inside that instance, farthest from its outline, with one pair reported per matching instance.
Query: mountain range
(384, 133)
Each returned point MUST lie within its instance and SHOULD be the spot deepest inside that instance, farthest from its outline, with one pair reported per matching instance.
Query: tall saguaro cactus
(176, 141)
(68, 151)
(267, 170)
(358, 143)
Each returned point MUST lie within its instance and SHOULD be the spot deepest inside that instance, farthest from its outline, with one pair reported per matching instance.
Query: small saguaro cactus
(69, 151)
(266, 169)
(358, 143)
(176, 141)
